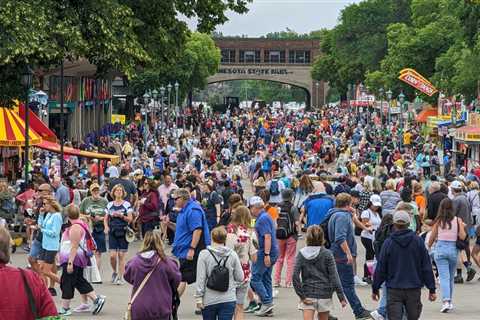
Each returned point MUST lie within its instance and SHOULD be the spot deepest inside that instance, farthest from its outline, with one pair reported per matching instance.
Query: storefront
(467, 141)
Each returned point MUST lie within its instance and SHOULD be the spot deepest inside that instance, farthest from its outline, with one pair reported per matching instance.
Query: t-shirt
(128, 185)
(94, 207)
(273, 212)
(374, 219)
(265, 225)
(209, 202)
(116, 222)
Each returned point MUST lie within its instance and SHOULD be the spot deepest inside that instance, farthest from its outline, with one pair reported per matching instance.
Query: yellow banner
(416, 80)
(118, 118)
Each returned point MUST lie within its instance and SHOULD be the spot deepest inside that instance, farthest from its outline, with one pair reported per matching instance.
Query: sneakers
(252, 307)
(275, 293)
(98, 304)
(53, 292)
(458, 279)
(330, 317)
(264, 310)
(367, 280)
(470, 274)
(359, 282)
(376, 315)
(65, 312)
(450, 306)
(198, 312)
(364, 315)
(445, 307)
(276, 285)
(84, 307)
(120, 282)
(114, 277)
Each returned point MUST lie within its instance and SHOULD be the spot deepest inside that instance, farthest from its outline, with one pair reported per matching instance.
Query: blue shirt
(62, 195)
(340, 228)
(316, 206)
(51, 225)
(189, 219)
(265, 225)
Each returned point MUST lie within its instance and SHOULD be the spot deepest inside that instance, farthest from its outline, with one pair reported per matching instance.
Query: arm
(75, 233)
(268, 243)
(106, 221)
(56, 226)
(297, 283)
(433, 236)
(196, 238)
(218, 208)
(462, 234)
(237, 269)
(427, 271)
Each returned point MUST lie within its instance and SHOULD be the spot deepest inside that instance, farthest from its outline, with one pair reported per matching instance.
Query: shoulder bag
(128, 313)
(461, 244)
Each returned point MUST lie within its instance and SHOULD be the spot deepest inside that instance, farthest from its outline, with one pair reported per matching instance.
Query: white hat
(255, 201)
(138, 172)
(376, 200)
(401, 217)
(456, 185)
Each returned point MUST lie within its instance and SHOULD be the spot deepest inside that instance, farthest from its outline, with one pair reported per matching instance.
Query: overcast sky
(267, 16)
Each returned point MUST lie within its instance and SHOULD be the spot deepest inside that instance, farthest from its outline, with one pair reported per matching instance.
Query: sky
(267, 16)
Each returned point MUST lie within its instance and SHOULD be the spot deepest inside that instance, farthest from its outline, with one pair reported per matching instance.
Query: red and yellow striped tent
(12, 130)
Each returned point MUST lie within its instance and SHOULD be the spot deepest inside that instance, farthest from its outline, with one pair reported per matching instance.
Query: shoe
(276, 285)
(98, 304)
(114, 277)
(275, 293)
(367, 280)
(359, 282)
(330, 317)
(470, 274)
(65, 312)
(458, 279)
(376, 315)
(252, 307)
(266, 308)
(84, 307)
(364, 315)
(53, 292)
(450, 306)
(198, 312)
(444, 308)
(289, 285)
(120, 282)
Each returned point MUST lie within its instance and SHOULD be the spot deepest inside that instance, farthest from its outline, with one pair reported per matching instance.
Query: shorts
(241, 292)
(47, 256)
(100, 240)
(319, 305)
(35, 249)
(71, 281)
(117, 244)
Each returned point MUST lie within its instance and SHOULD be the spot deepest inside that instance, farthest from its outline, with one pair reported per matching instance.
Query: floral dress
(240, 239)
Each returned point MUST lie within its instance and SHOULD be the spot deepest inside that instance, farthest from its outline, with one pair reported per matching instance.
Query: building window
(228, 56)
(249, 56)
(274, 56)
(299, 56)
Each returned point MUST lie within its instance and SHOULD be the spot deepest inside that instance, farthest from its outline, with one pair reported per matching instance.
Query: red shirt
(14, 302)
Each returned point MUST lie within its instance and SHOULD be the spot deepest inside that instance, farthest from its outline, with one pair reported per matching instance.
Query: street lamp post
(380, 92)
(146, 98)
(169, 89)
(27, 77)
(317, 85)
(62, 119)
(162, 95)
(177, 108)
(401, 98)
(389, 98)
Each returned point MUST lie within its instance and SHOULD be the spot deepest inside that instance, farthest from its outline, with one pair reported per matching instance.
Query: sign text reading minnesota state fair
(254, 71)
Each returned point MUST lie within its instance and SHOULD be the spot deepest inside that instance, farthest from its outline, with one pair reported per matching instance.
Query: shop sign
(255, 71)
(118, 118)
(417, 81)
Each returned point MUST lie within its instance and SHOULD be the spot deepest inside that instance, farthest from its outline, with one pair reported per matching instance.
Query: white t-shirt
(374, 219)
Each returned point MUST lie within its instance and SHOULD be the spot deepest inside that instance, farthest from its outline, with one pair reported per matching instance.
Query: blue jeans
(382, 305)
(446, 254)
(345, 271)
(261, 281)
(219, 311)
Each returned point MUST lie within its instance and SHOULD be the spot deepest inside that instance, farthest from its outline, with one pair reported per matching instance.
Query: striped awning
(12, 130)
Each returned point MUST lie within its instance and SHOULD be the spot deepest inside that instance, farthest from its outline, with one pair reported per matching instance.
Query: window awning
(470, 133)
(55, 147)
(12, 130)
(37, 124)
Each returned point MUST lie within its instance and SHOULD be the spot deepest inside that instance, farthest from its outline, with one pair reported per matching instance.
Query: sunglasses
(43, 190)
(177, 198)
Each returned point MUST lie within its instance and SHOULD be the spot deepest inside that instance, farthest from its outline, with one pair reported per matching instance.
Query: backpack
(324, 226)
(90, 244)
(380, 236)
(219, 278)
(274, 188)
(285, 222)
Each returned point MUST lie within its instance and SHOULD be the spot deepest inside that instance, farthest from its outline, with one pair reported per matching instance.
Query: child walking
(315, 277)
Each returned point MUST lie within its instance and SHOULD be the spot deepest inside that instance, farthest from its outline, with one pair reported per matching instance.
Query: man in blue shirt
(266, 256)
(191, 236)
(344, 248)
(62, 195)
(316, 206)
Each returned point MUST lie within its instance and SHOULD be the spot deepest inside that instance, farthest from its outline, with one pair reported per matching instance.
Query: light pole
(146, 98)
(155, 100)
(401, 98)
(380, 92)
(62, 117)
(317, 85)
(389, 98)
(162, 95)
(177, 108)
(27, 79)
(169, 89)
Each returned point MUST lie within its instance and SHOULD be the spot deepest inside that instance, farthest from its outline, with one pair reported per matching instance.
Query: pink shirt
(163, 191)
(448, 234)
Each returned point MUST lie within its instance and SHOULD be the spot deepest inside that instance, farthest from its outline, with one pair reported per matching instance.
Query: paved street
(465, 299)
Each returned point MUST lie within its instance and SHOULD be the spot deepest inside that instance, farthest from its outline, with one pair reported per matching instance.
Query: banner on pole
(417, 81)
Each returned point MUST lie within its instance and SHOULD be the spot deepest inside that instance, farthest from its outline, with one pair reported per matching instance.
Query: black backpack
(380, 236)
(219, 278)
(324, 226)
(274, 188)
(285, 222)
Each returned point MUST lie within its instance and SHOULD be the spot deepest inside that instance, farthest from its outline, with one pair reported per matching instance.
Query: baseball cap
(138, 172)
(376, 200)
(94, 186)
(255, 201)
(456, 185)
(401, 217)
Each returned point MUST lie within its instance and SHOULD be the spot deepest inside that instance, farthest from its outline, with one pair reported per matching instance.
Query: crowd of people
(239, 205)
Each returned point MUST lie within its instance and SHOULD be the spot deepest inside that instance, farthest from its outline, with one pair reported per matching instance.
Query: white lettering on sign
(254, 71)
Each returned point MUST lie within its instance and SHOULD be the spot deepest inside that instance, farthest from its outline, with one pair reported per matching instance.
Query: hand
(349, 259)
(343, 303)
(375, 296)
(200, 306)
(307, 301)
(107, 230)
(70, 268)
(432, 297)
(190, 254)
(267, 261)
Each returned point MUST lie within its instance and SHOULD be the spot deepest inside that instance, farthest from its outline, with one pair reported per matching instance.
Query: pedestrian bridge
(284, 61)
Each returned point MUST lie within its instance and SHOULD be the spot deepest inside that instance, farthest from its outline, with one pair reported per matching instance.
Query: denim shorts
(100, 240)
(35, 249)
(117, 244)
(47, 256)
